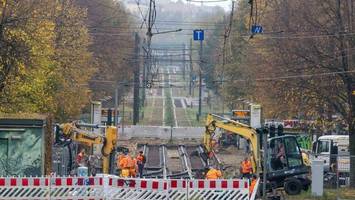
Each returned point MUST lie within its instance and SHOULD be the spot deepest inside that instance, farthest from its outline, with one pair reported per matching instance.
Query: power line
(288, 77)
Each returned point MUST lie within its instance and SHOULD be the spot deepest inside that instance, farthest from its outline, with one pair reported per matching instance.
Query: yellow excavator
(68, 132)
(291, 173)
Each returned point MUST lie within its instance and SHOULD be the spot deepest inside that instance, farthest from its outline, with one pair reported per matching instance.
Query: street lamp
(171, 31)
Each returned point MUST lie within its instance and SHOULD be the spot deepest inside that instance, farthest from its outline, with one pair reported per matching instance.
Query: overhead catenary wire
(245, 80)
(289, 77)
(260, 36)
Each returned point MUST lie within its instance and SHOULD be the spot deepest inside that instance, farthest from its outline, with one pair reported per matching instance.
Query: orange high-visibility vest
(124, 162)
(130, 162)
(133, 168)
(119, 158)
(246, 167)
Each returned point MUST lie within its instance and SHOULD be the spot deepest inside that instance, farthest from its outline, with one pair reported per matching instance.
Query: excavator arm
(109, 141)
(245, 131)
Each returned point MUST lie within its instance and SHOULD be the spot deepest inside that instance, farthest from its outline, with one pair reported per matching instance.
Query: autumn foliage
(302, 66)
(51, 52)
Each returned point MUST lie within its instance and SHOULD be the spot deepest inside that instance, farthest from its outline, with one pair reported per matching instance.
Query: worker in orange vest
(125, 165)
(132, 164)
(120, 156)
(252, 184)
(213, 173)
(246, 168)
(140, 163)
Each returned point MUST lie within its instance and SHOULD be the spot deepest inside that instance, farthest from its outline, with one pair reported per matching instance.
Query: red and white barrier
(145, 184)
(177, 189)
(24, 182)
(51, 188)
(113, 187)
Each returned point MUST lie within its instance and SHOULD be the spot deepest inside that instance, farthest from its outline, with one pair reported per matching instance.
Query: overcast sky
(225, 4)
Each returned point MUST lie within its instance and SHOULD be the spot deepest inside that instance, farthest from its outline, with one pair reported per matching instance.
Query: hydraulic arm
(245, 131)
(109, 140)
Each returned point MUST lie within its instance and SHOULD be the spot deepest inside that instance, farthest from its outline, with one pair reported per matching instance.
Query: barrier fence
(113, 187)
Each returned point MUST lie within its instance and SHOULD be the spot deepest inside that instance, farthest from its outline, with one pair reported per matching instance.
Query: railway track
(153, 166)
(173, 161)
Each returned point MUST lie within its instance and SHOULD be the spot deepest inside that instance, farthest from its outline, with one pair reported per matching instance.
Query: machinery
(289, 173)
(68, 132)
(334, 151)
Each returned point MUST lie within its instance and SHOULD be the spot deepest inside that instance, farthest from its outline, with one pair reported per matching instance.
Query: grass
(329, 194)
(169, 110)
(147, 112)
(191, 115)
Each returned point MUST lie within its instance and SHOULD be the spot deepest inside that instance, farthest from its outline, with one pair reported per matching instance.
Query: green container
(25, 145)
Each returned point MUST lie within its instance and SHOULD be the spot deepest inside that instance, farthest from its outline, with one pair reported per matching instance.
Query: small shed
(25, 144)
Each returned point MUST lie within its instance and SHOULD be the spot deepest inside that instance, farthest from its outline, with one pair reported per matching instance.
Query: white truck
(334, 150)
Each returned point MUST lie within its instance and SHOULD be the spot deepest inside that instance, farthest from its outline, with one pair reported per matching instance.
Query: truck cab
(334, 150)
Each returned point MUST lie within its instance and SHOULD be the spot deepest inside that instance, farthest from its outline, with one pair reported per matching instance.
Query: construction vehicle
(73, 132)
(289, 173)
(334, 151)
(331, 147)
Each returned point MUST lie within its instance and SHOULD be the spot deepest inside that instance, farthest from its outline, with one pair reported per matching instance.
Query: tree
(112, 46)
(26, 40)
(75, 65)
(44, 58)
(303, 65)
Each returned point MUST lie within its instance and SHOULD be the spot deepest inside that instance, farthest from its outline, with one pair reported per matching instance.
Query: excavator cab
(284, 153)
(285, 164)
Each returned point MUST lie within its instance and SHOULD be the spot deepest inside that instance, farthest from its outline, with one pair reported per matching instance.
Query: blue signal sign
(199, 35)
(256, 29)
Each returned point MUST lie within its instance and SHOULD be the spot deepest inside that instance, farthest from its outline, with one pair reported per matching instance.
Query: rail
(187, 164)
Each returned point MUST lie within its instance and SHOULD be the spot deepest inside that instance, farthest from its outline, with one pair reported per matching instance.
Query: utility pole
(116, 106)
(136, 82)
(183, 61)
(200, 85)
(123, 114)
(151, 19)
(149, 34)
(265, 158)
(227, 31)
(191, 68)
(144, 77)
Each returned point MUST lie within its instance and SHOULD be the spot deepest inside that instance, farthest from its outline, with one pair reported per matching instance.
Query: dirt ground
(231, 158)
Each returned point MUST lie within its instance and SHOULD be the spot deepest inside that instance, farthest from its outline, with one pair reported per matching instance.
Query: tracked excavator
(74, 132)
(289, 173)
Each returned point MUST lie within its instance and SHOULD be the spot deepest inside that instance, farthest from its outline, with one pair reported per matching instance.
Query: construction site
(177, 99)
(183, 159)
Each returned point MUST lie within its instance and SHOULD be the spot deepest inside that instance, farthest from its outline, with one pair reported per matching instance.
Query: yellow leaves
(52, 76)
